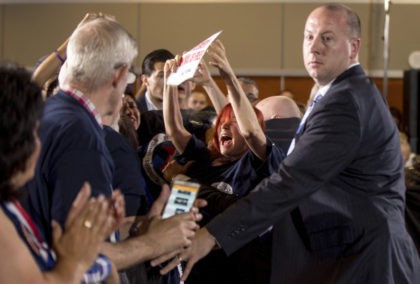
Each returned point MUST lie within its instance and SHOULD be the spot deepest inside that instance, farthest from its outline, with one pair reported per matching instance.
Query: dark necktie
(317, 98)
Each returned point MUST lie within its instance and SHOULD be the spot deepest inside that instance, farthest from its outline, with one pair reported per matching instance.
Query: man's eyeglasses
(131, 76)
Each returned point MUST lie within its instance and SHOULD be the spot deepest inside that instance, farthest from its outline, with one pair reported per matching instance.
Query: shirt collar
(149, 103)
(85, 102)
(322, 91)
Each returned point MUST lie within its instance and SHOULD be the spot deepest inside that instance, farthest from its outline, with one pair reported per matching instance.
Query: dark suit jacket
(141, 103)
(281, 131)
(343, 184)
(412, 214)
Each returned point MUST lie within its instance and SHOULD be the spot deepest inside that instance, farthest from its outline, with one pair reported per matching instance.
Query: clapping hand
(85, 229)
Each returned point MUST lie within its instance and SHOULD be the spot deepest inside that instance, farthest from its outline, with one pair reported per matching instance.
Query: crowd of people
(288, 193)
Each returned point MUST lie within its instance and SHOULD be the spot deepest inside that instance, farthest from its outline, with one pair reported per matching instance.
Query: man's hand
(201, 245)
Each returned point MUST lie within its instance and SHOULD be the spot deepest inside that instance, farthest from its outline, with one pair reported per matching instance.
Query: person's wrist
(211, 239)
(69, 270)
(210, 84)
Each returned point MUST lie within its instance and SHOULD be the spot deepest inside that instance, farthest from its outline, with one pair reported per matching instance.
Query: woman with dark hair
(26, 256)
(239, 157)
(129, 120)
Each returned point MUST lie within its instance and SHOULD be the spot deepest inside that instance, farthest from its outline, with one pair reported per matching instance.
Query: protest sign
(190, 61)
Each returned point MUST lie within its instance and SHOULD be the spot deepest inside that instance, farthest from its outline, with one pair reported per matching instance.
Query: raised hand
(218, 59)
(174, 126)
(202, 76)
(170, 67)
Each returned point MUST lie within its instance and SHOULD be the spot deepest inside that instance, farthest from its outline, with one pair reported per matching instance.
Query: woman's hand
(218, 59)
(202, 76)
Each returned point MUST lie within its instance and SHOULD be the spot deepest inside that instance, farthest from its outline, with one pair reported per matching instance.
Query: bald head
(278, 107)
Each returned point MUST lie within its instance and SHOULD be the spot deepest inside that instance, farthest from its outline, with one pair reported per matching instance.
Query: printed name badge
(183, 194)
(190, 61)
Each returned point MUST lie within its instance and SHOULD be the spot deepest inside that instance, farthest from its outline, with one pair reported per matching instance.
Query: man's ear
(119, 75)
(355, 48)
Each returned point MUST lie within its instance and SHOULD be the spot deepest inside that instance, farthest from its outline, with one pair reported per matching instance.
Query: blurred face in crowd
(197, 101)
(230, 141)
(288, 94)
(329, 45)
(154, 84)
(184, 92)
(250, 91)
(129, 108)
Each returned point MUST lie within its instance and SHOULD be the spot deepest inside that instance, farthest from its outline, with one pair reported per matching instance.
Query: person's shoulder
(152, 114)
(356, 90)
(151, 124)
(77, 125)
(71, 131)
(20, 262)
(9, 235)
(4, 220)
(112, 136)
(115, 141)
(141, 103)
(64, 109)
(355, 72)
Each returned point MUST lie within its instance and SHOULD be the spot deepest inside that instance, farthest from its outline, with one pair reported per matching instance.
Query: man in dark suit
(337, 201)
(152, 78)
(412, 212)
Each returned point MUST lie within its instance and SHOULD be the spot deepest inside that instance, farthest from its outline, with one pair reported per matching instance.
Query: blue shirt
(224, 184)
(73, 151)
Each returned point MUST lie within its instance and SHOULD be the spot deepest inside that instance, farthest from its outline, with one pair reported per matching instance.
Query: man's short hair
(353, 20)
(94, 50)
(149, 61)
